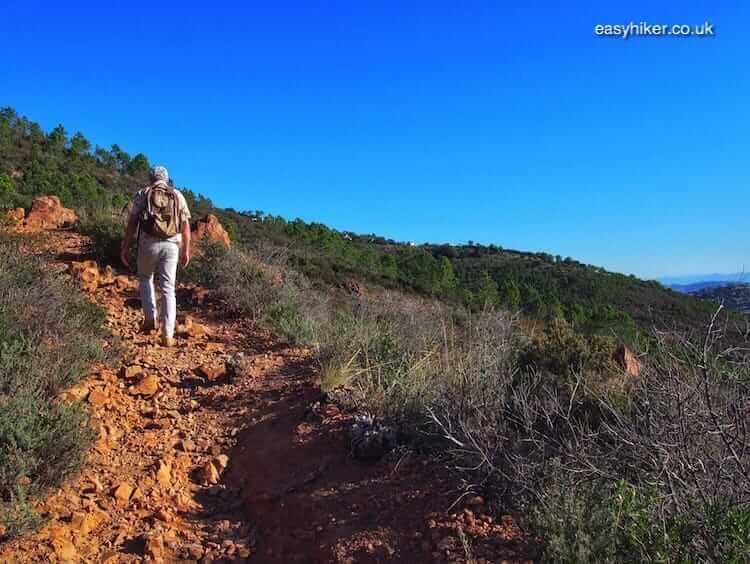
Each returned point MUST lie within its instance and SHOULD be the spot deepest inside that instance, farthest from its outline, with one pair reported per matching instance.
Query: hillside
(733, 296)
(334, 397)
(98, 182)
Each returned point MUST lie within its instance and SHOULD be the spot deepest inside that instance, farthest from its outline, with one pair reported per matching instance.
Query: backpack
(161, 212)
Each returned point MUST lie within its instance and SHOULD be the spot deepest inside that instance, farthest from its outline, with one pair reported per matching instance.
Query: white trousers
(158, 257)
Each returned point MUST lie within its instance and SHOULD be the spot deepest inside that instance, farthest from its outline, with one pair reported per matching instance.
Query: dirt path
(222, 449)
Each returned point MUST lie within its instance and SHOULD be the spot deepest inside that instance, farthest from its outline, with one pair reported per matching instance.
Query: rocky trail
(223, 449)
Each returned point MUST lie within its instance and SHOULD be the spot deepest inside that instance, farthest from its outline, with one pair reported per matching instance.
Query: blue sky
(506, 123)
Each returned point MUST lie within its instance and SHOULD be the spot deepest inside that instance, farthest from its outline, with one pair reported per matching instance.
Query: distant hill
(733, 296)
(697, 286)
(97, 182)
(688, 279)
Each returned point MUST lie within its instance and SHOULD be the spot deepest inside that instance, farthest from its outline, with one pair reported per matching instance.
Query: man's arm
(130, 231)
(185, 249)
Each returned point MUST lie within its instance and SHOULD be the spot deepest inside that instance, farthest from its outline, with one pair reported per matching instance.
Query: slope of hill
(98, 182)
(733, 296)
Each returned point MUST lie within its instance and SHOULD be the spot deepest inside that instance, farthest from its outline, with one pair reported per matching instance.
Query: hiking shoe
(148, 327)
(167, 341)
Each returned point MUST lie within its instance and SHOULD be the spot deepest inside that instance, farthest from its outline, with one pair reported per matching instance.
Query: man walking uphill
(161, 219)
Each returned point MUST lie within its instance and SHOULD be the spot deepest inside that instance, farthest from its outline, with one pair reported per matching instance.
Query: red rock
(122, 494)
(47, 213)
(89, 279)
(15, 215)
(123, 282)
(65, 550)
(626, 360)
(154, 547)
(209, 228)
(212, 373)
(98, 397)
(164, 473)
(84, 523)
(131, 372)
(106, 275)
(148, 386)
(74, 394)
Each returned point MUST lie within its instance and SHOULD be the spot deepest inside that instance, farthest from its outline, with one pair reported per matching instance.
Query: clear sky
(498, 122)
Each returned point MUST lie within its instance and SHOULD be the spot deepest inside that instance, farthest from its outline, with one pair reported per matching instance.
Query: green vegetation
(98, 182)
(48, 335)
(608, 468)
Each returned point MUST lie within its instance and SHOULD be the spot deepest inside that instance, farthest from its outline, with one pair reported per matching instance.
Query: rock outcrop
(209, 228)
(626, 360)
(48, 213)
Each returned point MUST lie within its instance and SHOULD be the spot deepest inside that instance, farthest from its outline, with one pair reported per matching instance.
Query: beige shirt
(139, 204)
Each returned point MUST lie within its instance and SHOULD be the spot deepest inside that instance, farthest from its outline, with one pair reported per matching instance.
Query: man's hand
(125, 254)
(184, 256)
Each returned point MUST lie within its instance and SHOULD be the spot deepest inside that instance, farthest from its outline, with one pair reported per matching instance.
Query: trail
(197, 463)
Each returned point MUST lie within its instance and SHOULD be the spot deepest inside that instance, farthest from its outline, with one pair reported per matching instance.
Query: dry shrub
(48, 335)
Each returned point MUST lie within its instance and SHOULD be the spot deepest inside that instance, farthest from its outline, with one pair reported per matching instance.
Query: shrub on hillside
(48, 334)
(106, 228)
(563, 351)
(656, 471)
(661, 476)
(243, 283)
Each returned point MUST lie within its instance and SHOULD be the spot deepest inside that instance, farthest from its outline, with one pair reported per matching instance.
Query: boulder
(209, 228)
(626, 360)
(47, 213)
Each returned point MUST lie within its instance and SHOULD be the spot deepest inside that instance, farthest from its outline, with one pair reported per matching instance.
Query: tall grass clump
(48, 335)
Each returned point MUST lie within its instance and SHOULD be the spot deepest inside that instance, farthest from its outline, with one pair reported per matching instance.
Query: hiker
(160, 220)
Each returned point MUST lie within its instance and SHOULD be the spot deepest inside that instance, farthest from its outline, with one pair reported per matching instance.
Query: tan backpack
(161, 214)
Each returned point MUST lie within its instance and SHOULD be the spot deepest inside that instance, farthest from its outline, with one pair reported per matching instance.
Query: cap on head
(159, 173)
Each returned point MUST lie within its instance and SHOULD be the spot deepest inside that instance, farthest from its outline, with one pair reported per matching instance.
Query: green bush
(291, 324)
(563, 351)
(106, 230)
(48, 335)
